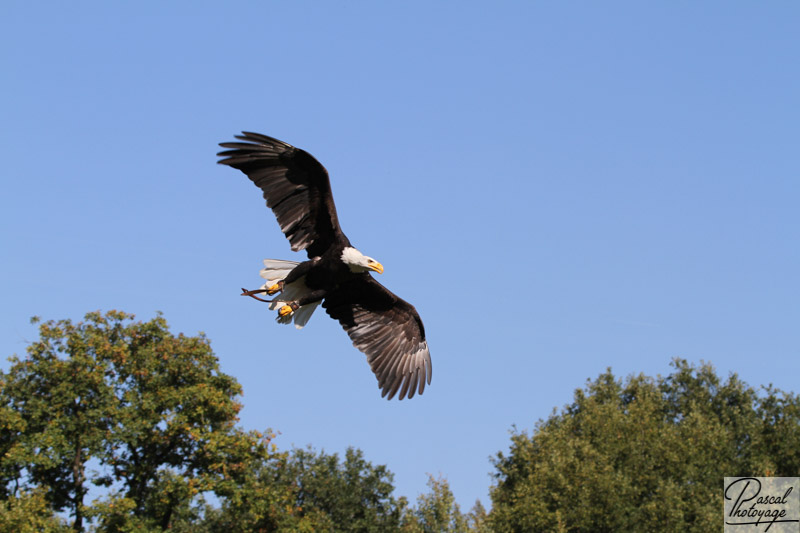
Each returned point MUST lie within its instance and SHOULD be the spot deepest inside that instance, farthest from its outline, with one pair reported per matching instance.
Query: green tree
(12, 454)
(253, 500)
(63, 405)
(150, 408)
(436, 511)
(304, 490)
(356, 495)
(29, 512)
(644, 455)
(478, 519)
(146, 417)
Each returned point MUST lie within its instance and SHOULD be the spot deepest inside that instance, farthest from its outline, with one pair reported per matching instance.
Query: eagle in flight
(382, 325)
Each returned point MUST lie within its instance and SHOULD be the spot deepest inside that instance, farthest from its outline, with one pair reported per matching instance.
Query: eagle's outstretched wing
(296, 188)
(388, 330)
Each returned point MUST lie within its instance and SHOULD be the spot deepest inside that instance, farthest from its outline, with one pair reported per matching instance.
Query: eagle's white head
(359, 262)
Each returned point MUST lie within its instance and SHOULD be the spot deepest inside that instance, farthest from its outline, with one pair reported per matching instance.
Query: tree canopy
(147, 419)
(646, 454)
(148, 410)
(145, 424)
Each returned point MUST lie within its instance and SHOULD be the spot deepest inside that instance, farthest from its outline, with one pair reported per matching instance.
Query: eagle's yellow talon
(275, 289)
(285, 310)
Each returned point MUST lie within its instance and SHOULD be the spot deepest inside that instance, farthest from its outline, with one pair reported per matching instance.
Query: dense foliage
(144, 424)
(122, 405)
(145, 418)
(645, 455)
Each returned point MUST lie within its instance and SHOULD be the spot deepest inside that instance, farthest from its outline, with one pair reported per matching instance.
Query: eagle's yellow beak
(377, 267)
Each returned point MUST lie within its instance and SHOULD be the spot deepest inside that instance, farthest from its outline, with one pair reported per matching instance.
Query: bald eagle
(383, 326)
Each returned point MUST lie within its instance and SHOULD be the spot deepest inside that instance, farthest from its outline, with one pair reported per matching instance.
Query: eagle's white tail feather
(303, 315)
(276, 269)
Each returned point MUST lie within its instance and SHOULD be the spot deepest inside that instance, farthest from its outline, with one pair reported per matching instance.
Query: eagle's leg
(308, 298)
(288, 309)
(275, 288)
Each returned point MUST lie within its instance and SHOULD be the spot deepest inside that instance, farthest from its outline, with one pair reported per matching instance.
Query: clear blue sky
(558, 187)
